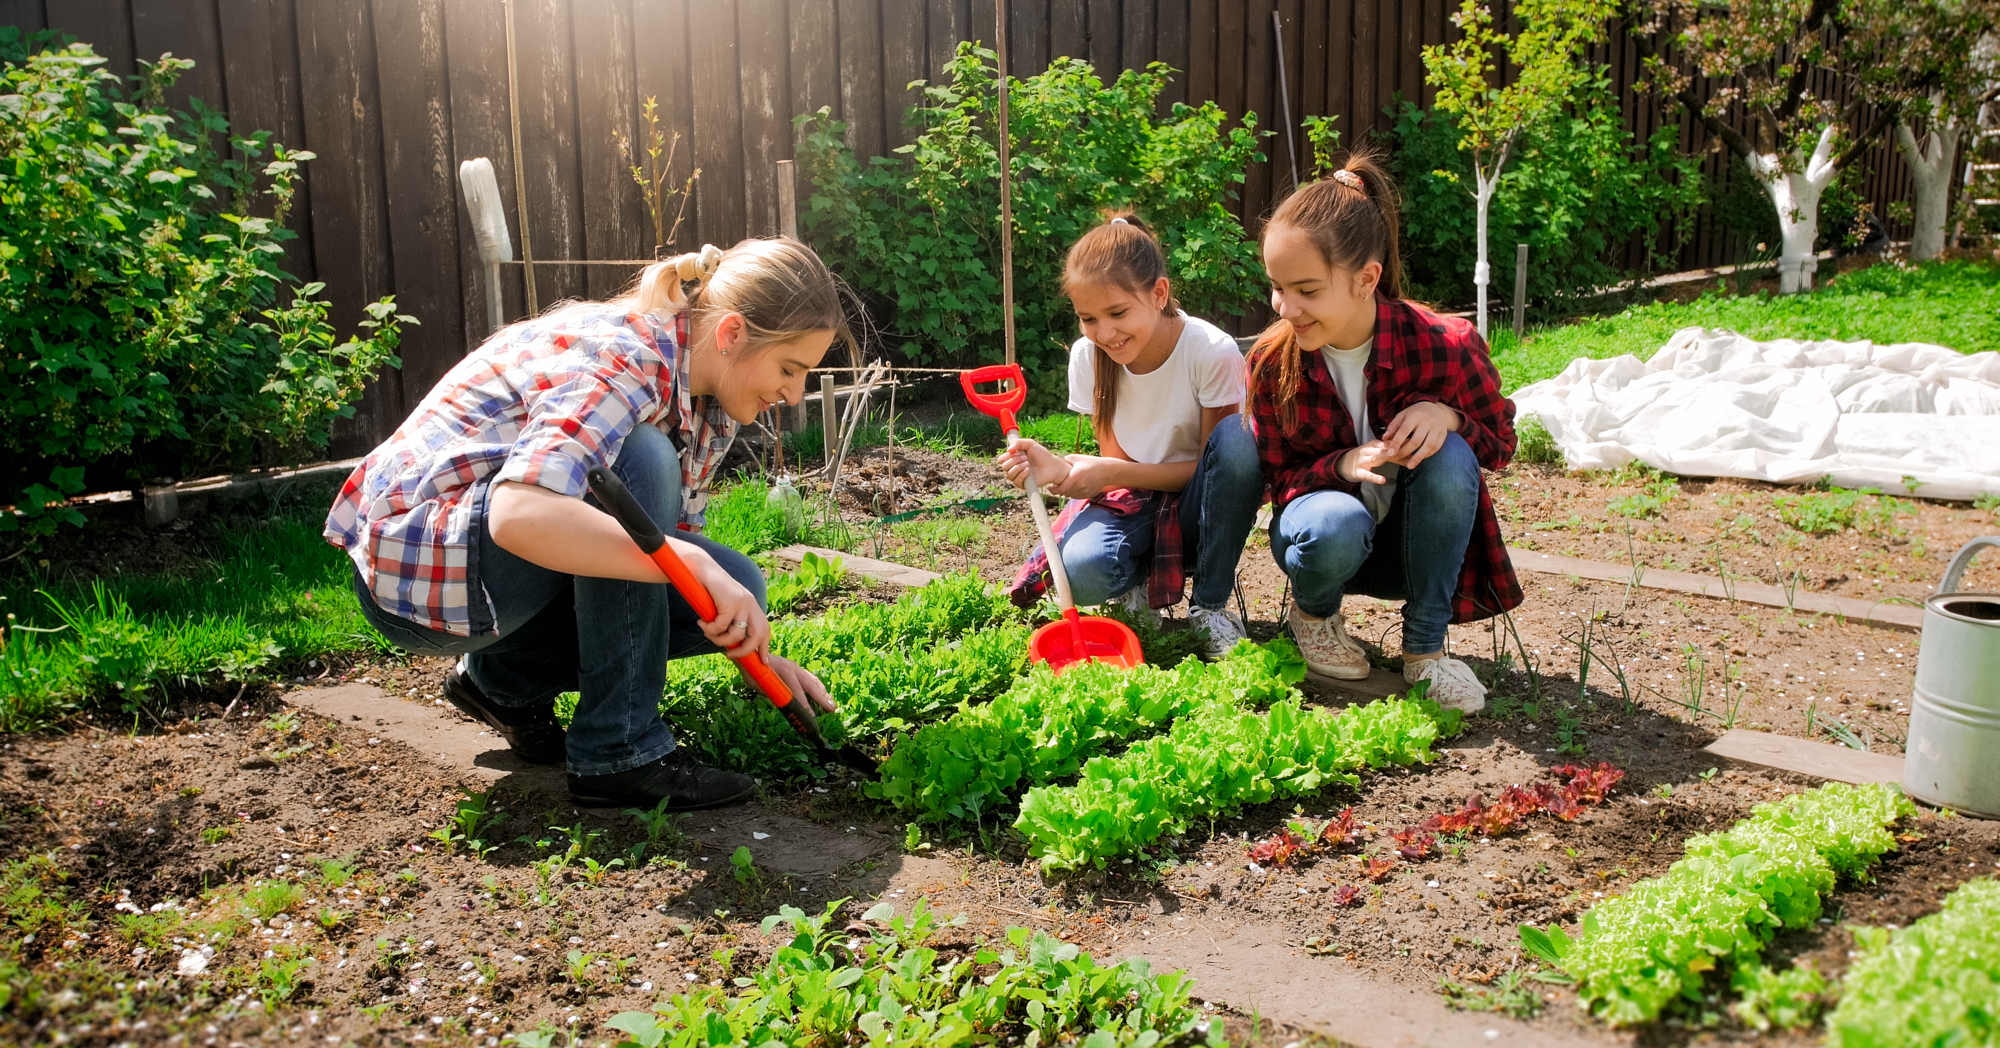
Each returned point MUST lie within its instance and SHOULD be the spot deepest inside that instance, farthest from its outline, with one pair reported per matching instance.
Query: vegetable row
(1936, 982)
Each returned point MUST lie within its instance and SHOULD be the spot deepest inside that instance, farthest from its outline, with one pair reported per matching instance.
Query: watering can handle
(1963, 560)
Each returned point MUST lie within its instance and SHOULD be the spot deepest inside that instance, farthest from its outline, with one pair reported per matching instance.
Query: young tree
(1492, 114)
(1781, 66)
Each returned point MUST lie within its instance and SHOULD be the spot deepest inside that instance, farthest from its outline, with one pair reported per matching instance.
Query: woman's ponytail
(663, 285)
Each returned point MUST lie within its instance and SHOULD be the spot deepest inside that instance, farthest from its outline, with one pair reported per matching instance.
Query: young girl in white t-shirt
(1177, 479)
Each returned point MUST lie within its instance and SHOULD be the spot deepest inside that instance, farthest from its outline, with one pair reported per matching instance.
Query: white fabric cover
(1717, 404)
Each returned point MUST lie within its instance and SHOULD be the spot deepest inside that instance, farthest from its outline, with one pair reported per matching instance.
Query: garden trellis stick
(1285, 95)
(520, 180)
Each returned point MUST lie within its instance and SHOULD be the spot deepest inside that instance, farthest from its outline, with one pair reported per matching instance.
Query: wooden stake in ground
(1006, 192)
(892, 442)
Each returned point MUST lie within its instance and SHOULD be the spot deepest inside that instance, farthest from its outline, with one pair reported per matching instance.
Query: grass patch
(1955, 301)
(957, 435)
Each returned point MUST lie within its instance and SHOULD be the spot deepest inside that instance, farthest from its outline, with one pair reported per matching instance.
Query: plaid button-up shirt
(1418, 356)
(540, 403)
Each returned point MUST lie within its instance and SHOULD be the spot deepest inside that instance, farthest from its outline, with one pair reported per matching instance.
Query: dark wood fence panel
(393, 94)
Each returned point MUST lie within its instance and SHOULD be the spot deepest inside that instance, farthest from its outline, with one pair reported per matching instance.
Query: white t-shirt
(1349, 368)
(1159, 413)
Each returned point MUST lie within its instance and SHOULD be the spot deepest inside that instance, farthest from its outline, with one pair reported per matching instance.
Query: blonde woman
(472, 533)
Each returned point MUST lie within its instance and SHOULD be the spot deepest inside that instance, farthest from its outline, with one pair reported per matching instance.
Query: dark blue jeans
(607, 639)
(1107, 554)
(1329, 544)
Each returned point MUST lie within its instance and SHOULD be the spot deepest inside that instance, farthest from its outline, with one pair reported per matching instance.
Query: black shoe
(533, 733)
(684, 783)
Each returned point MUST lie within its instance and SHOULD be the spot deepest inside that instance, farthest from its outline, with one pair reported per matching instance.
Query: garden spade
(1072, 639)
(618, 502)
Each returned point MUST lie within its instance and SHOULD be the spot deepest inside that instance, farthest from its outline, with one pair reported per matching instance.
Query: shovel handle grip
(617, 501)
(1003, 404)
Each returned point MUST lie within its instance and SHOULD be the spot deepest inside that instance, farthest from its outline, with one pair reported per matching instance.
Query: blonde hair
(778, 285)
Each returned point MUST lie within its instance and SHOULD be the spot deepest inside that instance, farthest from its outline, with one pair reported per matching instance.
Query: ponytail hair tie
(698, 266)
(1350, 180)
(1119, 221)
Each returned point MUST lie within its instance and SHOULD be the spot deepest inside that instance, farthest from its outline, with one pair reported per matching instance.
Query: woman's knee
(1324, 529)
(650, 466)
(1452, 470)
(1231, 454)
(740, 567)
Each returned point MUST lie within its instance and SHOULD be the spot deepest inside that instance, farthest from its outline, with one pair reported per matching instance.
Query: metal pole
(1285, 96)
(520, 181)
(788, 201)
(1006, 191)
(1520, 288)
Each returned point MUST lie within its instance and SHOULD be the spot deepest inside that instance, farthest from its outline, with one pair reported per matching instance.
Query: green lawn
(1955, 304)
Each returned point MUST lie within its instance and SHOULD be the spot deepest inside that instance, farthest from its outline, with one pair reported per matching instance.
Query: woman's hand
(801, 681)
(1418, 431)
(1089, 476)
(1026, 455)
(1358, 465)
(739, 627)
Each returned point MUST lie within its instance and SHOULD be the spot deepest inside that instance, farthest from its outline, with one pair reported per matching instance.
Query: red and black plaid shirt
(1418, 356)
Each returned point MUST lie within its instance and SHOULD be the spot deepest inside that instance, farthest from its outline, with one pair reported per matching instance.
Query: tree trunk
(1796, 195)
(1930, 182)
(1485, 181)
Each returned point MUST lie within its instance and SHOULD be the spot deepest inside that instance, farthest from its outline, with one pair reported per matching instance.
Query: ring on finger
(741, 625)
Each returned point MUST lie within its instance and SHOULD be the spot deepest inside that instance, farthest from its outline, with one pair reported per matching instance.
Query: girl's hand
(801, 681)
(1358, 466)
(1418, 431)
(1089, 476)
(1050, 471)
(739, 627)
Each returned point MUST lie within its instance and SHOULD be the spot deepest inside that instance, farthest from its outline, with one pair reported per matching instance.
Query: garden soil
(148, 818)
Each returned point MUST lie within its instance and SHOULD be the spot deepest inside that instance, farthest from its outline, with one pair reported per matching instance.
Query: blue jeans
(607, 639)
(1329, 544)
(1107, 554)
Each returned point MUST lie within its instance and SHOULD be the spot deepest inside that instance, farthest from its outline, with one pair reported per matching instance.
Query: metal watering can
(1952, 758)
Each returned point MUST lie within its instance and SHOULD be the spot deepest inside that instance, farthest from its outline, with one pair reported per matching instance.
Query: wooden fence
(392, 94)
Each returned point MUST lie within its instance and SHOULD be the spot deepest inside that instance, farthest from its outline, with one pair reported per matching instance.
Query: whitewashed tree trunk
(1930, 182)
(1485, 181)
(1796, 195)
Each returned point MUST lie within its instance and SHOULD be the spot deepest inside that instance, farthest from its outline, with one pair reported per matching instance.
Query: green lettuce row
(1936, 982)
(1723, 900)
(1046, 726)
(1214, 762)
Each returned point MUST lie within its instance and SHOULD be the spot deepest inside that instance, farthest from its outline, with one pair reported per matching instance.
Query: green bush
(142, 327)
(1576, 194)
(921, 232)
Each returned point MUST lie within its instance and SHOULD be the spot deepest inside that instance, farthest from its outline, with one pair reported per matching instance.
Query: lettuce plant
(1936, 982)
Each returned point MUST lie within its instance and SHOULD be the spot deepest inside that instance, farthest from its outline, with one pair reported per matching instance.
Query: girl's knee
(1094, 570)
(1232, 449)
(741, 568)
(1453, 465)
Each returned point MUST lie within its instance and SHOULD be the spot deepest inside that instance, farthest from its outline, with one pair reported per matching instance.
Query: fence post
(1520, 288)
(829, 421)
(788, 200)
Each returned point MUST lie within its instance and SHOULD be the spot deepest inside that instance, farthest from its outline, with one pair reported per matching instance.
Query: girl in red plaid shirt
(1374, 418)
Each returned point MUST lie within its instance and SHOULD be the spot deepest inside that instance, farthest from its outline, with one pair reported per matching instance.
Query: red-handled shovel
(618, 502)
(1074, 638)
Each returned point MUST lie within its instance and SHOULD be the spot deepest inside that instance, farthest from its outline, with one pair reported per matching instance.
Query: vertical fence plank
(815, 43)
(1340, 67)
(1362, 100)
(1311, 96)
(663, 70)
(106, 25)
(1229, 89)
(1102, 28)
(1260, 96)
(861, 76)
(1138, 40)
(476, 59)
(904, 39)
(25, 15)
(189, 29)
(1409, 53)
(944, 26)
(1172, 33)
(422, 183)
(1069, 29)
(343, 124)
(546, 65)
(766, 89)
(1388, 44)
(260, 59)
(608, 104)
(1028, 50)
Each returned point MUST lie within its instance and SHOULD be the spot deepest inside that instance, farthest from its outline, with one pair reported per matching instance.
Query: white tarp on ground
(1716, 404)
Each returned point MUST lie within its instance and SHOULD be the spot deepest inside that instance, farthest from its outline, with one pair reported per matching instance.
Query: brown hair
(779, 286)
(1351, 218)
(1123, 252)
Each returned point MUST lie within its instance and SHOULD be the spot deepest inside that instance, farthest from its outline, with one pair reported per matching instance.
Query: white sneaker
(1328, 650)
(1453, 684)
(1224, 629)
(1137, 604)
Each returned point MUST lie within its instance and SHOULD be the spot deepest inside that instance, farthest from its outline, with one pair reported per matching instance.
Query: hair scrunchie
(1350, 180)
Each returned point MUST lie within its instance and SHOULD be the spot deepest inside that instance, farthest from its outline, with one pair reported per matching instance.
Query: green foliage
(1837, 509)
(815, 578)
(921, 232)
(271, 898)
(1470, 73)
(1536, 445)
(1576, 190)
(1651, 500)
(1214, 761)
(742, 516)
(1954, 303)
(889, 666)
(140, 316)
(1933, 983)
(888, 986)
(1045, 727)
(1723, 900)
(1787, 1000)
